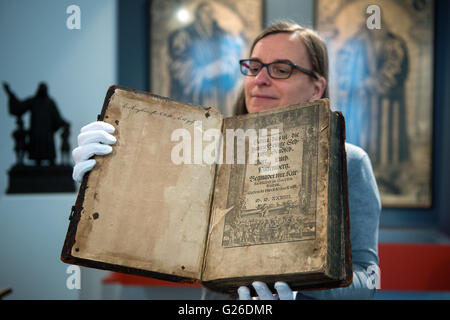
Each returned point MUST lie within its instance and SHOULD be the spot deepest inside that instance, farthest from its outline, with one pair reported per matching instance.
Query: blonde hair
(315, 47)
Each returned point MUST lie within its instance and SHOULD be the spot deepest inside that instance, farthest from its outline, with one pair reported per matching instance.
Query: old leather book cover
(290, 224)
(223, 223)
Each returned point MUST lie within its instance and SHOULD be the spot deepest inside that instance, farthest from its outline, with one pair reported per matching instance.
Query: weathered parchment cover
(137, 209)
(281, 228)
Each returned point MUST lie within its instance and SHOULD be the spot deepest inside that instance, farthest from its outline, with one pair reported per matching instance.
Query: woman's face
(263, 93)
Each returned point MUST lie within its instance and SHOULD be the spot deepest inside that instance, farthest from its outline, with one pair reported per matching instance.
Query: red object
(414, 266)
(131, 280)
(404, 267)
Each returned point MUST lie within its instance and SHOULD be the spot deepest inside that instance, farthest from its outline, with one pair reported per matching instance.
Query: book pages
(140, 209)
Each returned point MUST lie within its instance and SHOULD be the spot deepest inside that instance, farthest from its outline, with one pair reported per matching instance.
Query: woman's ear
(319, 88)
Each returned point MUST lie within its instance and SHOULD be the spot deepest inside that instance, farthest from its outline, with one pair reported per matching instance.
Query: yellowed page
(141, 210)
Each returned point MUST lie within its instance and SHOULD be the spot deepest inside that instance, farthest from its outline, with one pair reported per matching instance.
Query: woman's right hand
(94, 139)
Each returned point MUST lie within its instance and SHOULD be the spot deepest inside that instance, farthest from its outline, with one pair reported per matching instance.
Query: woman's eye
(254, 68)
(281, 69)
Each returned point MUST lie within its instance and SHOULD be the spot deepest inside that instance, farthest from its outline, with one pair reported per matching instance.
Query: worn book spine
(339, 252)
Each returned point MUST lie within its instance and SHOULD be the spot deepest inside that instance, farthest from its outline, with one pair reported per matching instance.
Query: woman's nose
(262, 78)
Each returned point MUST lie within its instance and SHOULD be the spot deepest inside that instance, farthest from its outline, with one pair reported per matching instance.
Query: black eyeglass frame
(294, 66)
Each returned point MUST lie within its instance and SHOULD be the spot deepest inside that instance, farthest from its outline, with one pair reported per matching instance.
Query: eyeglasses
(276, 69)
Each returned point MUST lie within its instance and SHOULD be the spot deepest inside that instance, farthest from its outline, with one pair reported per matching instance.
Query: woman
(288, 64)
(305, 49)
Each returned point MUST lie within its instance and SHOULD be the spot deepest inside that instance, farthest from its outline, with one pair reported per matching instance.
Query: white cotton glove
(264, 293)
(94, 139)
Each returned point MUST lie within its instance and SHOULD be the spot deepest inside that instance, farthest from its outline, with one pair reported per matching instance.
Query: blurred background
(112, 46)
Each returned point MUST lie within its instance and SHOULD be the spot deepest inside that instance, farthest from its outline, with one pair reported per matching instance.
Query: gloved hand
(94, 139)
(264, 293)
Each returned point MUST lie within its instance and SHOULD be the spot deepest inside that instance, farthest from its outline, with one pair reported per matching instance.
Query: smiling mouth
(263, 97)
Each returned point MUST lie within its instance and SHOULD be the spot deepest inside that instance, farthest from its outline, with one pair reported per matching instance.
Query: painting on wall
(381, 78)
(195, 49)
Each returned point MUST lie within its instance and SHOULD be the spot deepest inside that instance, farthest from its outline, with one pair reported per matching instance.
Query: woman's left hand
(264, 293)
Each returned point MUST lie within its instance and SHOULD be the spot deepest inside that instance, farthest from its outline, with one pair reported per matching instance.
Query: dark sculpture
(38, 143)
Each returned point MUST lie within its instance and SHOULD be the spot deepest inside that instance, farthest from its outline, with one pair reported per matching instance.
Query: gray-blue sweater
(365, 208)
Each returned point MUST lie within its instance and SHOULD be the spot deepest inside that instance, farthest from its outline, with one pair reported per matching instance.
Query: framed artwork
(196, 46)
(381, 78)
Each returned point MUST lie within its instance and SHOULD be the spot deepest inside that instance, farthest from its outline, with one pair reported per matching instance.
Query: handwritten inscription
(158, 113)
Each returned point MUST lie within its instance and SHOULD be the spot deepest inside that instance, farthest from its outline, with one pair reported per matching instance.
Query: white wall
(78, 66)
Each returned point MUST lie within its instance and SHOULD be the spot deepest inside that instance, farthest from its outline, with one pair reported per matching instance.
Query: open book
(188, 195)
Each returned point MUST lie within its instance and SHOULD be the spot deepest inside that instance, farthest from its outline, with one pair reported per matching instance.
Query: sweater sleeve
(365, 208)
